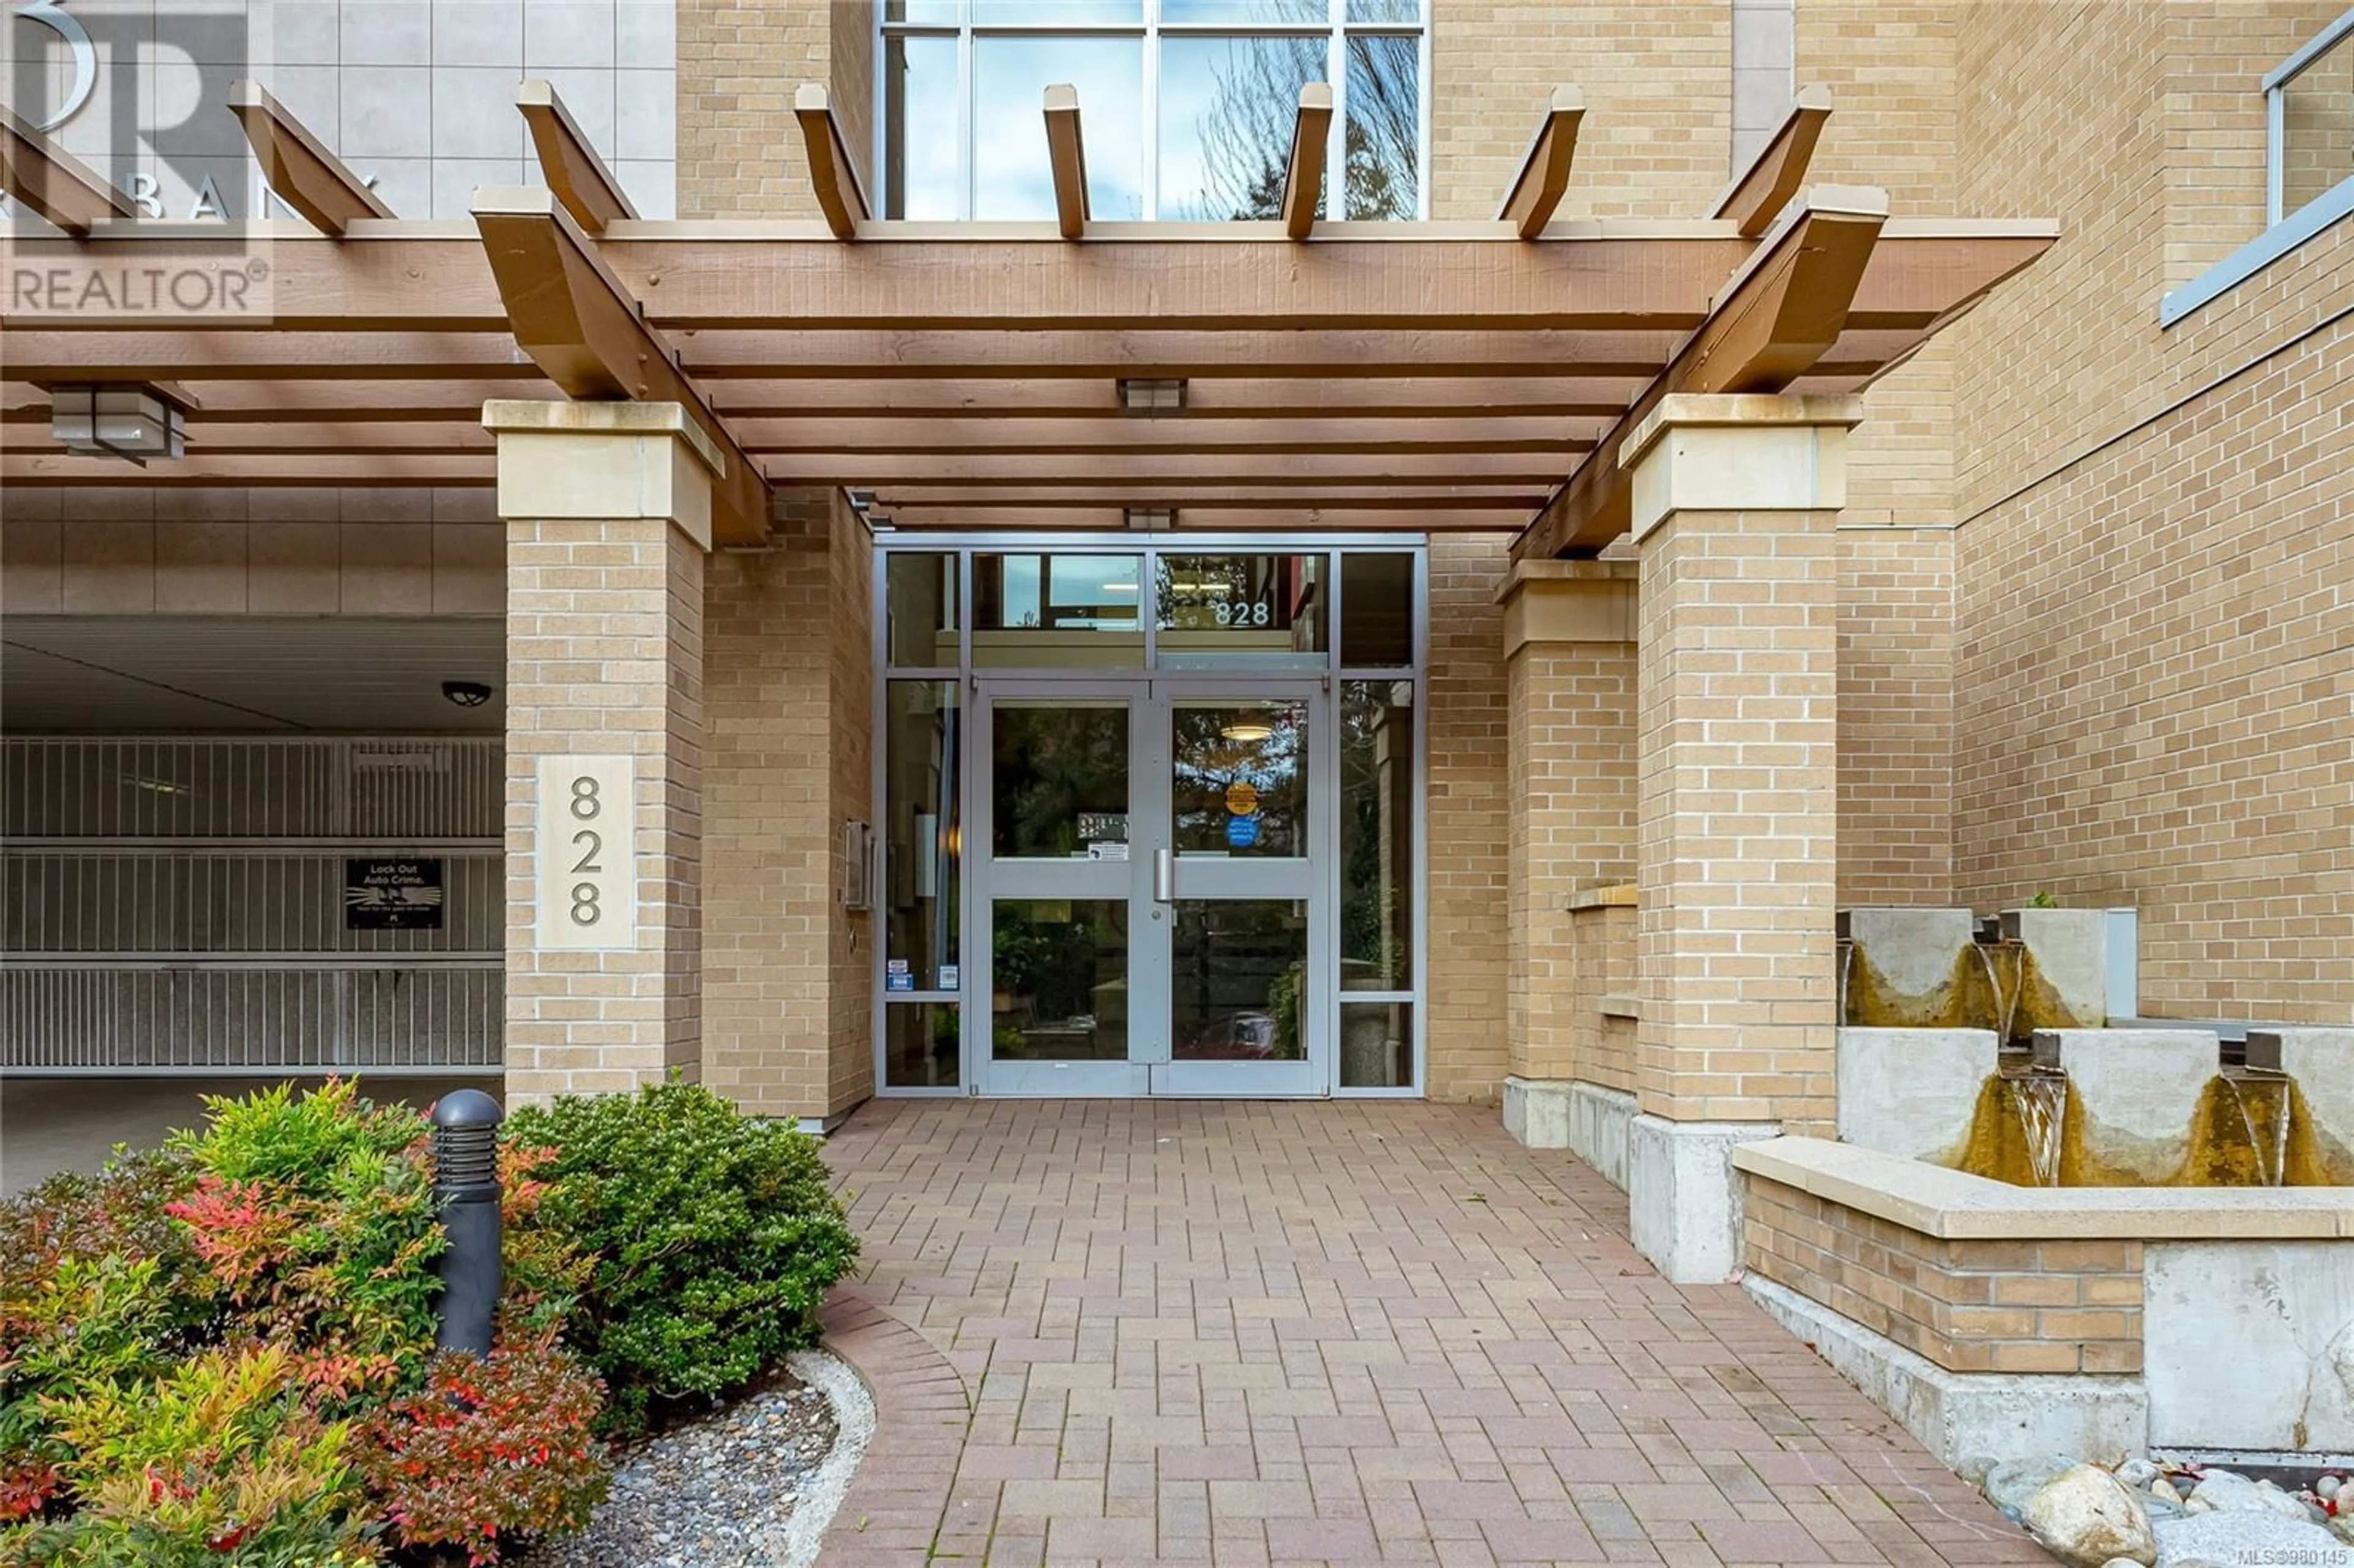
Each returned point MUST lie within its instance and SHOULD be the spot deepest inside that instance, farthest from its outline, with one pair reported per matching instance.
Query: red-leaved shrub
(498, 1446)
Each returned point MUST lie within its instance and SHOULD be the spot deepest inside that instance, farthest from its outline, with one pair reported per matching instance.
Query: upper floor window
(1186, 106)
(2309, 118)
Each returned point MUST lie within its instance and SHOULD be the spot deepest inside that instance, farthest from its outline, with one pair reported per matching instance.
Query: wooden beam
(568, 162)
(1303, 175)
(1274, 470)
(1759, 193)
(1068, 155)
(1544, 172)
(1774, 320)
(1222, 519)
(1007, 435)
(312, 471)
(1635, 355)
(909, 411)
(300, 169)
(1403, 498)
(52, 182)
(583, 329)
(833, 173)
(150, 355)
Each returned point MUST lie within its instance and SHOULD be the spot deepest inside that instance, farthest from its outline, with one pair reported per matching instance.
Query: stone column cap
(618, 418)
(1568, 601)
(1766, 410)
(605, 460)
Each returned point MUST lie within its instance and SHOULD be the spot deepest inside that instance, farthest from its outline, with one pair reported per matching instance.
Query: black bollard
(466, 1194)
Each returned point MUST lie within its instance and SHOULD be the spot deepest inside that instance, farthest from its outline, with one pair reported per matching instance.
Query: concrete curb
(798, 1543)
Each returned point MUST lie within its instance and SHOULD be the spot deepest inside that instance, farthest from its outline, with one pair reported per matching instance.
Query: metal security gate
(179, 905)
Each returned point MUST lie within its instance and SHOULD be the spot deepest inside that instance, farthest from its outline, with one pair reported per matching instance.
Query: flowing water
(2264, 1107)
(2041, 1099)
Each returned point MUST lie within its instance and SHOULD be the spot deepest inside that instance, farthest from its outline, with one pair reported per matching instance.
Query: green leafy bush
(97, 1289)
(716, 1237)
(313, 1214)
(491, 1447)
(218, 1462)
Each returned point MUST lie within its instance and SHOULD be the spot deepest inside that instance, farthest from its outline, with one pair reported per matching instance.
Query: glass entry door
(1149, 888)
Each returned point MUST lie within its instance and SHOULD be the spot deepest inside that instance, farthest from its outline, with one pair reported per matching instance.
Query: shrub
(542, 1268)
(496, 1445)
(217, 1462)
(313, 1215)
(95, 1288)
(716, 1238)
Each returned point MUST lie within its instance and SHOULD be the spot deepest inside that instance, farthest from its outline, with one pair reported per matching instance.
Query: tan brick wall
(1601, 1047)
(605, 656)
(1468, 834)
(1571, 798)
(2151, 679)
(1657, 140)
(739, 64)
(788, 980)
(1737, 789)
(1968, 1306)
(1895, 716)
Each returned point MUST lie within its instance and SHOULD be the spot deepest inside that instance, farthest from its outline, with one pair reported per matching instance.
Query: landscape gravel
(717, 1492)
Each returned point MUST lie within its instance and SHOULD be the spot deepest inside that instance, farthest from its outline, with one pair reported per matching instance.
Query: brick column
(608, 512)
(1736, 502)
(1569, 650)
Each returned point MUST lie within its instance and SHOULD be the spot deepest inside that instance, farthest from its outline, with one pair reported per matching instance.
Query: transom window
(1186, 106)
(2309, 115)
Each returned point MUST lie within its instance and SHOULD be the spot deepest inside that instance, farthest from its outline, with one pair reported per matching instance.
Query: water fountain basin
(1991, 1317)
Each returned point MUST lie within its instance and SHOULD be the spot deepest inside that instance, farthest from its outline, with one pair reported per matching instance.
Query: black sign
(392, 895)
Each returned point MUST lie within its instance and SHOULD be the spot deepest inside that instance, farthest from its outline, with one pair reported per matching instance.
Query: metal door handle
(1164, 876)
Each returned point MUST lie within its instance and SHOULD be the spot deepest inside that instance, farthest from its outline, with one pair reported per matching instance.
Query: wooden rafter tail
(52, 182)
(1303, 179)
(300, 169)
(1776, 320)
(833, 174)
(1759, 193)
(1537, 190)
(584, 330)
(568, 162)
(1067, 153)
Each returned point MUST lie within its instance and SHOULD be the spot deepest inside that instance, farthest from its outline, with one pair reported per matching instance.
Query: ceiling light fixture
(1149, 517)
(1246, 731)
(1151, 396)
(131, 420)
(466, 694)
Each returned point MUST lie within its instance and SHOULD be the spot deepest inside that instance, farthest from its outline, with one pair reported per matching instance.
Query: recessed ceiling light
(1149, 395)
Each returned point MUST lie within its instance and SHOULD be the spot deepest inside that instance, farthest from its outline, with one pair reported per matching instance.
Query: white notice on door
(586, 863)
(1108, 849)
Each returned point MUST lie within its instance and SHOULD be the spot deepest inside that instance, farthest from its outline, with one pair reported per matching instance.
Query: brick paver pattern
(1338, 1332)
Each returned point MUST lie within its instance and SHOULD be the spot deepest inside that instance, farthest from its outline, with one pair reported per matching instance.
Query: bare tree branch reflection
(1246, 137)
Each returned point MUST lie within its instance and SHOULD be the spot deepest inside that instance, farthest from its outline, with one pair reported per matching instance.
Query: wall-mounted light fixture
(128, 419)
(1150, 396)
(466, 694)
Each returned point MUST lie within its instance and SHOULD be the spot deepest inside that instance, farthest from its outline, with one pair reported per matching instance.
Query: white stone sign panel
(587, 853)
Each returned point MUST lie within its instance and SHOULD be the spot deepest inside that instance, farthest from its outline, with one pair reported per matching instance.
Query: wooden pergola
(1430, 377)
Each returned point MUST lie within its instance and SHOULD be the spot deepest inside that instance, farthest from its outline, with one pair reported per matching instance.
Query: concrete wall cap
(1958, 1207)
(1684, 409)
(614, 418)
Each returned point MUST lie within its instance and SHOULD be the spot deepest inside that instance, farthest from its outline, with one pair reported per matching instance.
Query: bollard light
(466, 1195)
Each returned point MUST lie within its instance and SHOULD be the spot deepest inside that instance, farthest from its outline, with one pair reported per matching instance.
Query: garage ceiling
(159, 675)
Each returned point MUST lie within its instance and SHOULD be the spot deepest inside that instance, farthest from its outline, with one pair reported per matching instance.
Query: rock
(2009, 1484)
(2243, 1536)
(1975, 1468)
(2342, 1527)
(2085, 1515)
(2159, 1502)
(2224, 1492)
(2327, 1488)
(2137, 1472)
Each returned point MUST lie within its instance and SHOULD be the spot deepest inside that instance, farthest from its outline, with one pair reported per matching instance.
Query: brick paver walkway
(1327, 1332)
